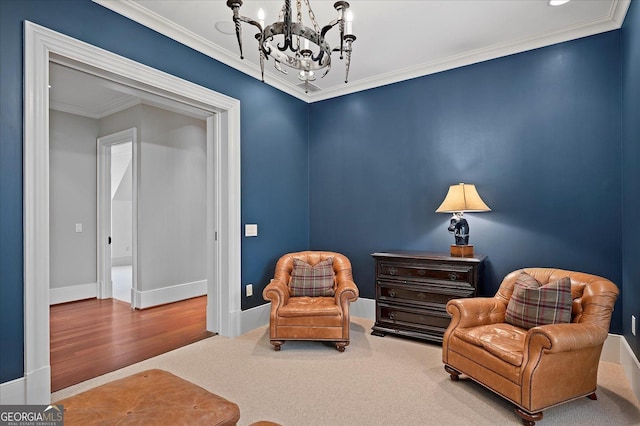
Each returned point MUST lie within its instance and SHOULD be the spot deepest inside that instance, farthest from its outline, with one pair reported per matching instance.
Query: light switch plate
(78, 227)
(250, 230)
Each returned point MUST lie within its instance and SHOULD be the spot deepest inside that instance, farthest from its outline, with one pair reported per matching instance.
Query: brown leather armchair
(537, 368)
(310, 318)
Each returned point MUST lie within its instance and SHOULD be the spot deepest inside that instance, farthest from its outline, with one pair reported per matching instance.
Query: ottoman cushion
(152, 397)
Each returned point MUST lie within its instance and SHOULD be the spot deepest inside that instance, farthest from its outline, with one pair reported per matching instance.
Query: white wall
(72, 199)
(121, 204)
(172, 199)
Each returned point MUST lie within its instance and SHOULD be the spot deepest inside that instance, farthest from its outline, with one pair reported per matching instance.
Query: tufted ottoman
(152, 397)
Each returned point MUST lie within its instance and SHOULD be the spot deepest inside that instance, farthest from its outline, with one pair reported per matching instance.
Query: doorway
(117, 216)
(121, 222)
(223, 188)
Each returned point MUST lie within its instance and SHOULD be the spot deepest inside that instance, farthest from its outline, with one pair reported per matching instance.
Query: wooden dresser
(413, 288)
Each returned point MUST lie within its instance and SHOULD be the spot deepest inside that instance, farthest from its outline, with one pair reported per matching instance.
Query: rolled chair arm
(346, 291)
(475, 311)
(557, 338)
(277, 292)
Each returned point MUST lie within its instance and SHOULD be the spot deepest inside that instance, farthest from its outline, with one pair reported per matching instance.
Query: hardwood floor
(95, 336)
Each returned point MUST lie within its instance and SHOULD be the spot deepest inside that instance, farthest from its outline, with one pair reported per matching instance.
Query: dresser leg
(378, 333)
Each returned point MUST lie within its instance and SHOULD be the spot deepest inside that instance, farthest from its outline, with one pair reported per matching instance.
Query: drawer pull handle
(422, 272)
(392, 293)
(421, 296)
(392, 271)
(453, 276)
(392, 315)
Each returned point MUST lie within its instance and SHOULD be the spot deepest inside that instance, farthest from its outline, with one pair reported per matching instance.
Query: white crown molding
(158, 23)
(99, 112)
(164, 26)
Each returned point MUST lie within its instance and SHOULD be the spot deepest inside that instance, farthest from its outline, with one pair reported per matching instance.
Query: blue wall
(630, 36)
(274, 147)
(538, 133)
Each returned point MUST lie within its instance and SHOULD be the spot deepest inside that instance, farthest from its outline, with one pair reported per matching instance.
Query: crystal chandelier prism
(289, 42)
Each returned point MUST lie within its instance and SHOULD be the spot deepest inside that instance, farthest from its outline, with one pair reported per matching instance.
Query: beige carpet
(376, 381)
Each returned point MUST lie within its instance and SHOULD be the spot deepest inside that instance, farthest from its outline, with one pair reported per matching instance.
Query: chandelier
(288, 41)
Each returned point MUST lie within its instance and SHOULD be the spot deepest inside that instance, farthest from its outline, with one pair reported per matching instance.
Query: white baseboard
(611, 348)
(254, 318)
(33, 388)
(72, 293)
(13, 392)
(174, 293)
(363, 308)
(631, 366)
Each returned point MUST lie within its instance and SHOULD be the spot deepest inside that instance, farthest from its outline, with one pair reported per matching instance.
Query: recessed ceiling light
(557, 2)
(226, 27)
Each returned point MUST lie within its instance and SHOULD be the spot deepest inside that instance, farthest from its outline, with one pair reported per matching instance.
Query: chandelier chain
(311, 15)
(299, 6)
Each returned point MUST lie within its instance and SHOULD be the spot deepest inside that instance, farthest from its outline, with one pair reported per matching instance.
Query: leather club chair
(324, 318)
(536, 368)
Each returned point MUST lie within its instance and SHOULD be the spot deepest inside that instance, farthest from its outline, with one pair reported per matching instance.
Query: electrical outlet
(633, 325)
(249, 290)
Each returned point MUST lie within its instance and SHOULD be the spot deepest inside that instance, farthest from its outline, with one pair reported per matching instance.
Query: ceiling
(75, 91)
(396, 40)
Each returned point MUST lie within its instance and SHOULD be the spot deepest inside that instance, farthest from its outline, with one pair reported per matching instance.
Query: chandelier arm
(261, 54)
(341, 38)
(349, 39)
(279, 67)
(326, 71)
(288, 42)
(235, 7)
(328, 27)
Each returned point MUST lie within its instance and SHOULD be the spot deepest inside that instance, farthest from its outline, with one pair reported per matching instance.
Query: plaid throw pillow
(532, 304)
(307, 280)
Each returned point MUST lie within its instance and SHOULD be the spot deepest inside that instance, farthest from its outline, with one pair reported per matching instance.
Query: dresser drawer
(434, 271)
(420, 294)
(391, 316)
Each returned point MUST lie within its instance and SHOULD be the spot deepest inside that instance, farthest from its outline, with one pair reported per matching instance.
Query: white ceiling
(396, 40)
(75, 91)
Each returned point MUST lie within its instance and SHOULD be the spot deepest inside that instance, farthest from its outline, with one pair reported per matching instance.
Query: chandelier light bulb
(261, 17)
(349, 23)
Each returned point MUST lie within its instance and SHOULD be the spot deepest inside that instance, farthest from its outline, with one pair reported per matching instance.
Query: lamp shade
(462, 198)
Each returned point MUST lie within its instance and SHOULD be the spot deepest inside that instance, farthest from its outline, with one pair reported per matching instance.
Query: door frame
(104, 211)
(223, 189)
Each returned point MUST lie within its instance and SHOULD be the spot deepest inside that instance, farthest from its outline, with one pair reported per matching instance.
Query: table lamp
(461, 198)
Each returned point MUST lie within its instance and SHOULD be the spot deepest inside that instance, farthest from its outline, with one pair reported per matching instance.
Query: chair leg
(277, 343)
(528, 419)
(593, 397)
(454, 374)
(340, 346)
